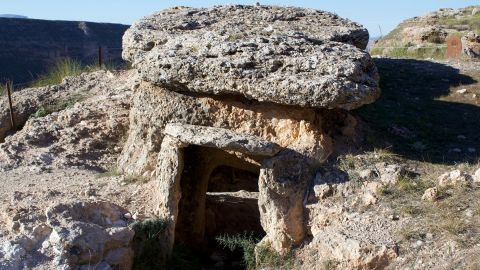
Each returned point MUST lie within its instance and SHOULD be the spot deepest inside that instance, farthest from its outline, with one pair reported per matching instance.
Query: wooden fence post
(100, 57)
(10, 104)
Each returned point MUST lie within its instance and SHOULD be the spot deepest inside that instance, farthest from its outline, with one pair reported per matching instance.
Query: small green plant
(61, 105)
(136, 179)
(109, 172)
(267, 258)
(246, 242)
(41, 112)
(147, 233)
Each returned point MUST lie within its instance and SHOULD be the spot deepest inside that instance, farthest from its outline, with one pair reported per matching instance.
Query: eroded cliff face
(29, 47)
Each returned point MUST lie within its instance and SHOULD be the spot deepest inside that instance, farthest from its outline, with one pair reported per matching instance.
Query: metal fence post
(10, 104)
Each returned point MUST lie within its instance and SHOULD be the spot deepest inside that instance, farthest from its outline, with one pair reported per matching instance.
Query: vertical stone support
(283, 183)
(169, 171)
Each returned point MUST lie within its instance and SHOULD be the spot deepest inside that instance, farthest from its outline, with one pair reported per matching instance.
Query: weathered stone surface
(283, 183)
(222, 139)
(476, 176)
(390, 173)
(84, 232)
(430, 194)
(471, 45)
(92, 117)
(299, 129)
(290, 56)
(455, 178)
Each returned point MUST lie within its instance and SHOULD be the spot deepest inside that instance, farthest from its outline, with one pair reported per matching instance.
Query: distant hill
(13, 16)
(29, 47)
(426, 36)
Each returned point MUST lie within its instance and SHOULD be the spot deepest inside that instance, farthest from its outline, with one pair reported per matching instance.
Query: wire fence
(99, 61)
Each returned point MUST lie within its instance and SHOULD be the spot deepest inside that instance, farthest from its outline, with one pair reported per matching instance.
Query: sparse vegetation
(110, 172)
(58, 106)
(405, 51)
(63, 68)
(266, 257)
(147, 234)
(246, 242)
(329, 264)
(136, 179)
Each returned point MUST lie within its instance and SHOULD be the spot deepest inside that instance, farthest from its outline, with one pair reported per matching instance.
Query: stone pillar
(169, 171)
(283, 184)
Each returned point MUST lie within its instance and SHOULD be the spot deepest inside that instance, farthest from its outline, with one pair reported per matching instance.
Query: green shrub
(245, 241)
(147, 233)
(266, 257)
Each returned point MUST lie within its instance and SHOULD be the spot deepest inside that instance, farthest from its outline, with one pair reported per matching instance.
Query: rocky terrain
(428, 36)
(30, 47)
(322, 177)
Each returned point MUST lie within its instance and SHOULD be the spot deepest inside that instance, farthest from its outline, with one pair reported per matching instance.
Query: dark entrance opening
(219, 192)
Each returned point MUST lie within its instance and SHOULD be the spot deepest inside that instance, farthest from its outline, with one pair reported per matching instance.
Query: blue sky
(371, 13)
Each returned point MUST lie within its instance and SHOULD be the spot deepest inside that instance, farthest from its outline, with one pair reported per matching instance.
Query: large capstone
(290, 56)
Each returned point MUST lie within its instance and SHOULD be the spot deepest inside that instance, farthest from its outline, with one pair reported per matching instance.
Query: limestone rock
(476, 176)
(368, 174)
(84, 232)
(374, 187)
(369, 198)
(82, 129)
(454, 178)
(471, 45)
(257, 53)
(221, 138)
(351, 252)
(430, 194)
(390, 173)
(282, 184)
(293, 128)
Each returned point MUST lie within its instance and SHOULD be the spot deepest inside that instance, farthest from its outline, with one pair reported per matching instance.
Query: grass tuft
(64, 68)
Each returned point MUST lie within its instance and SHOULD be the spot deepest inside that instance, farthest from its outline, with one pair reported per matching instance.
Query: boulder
(454, 178)
(256, 53)
(476, 176)
(471, 45)
(430, 194)
(84, 232)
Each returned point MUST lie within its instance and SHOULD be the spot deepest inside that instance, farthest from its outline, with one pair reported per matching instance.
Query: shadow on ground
(410, 120)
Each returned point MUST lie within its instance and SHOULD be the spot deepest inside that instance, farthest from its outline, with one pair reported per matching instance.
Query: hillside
(426, 36)
(30, 47)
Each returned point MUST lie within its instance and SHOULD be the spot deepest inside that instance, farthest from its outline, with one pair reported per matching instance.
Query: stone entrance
(219, 196)
(213, 181)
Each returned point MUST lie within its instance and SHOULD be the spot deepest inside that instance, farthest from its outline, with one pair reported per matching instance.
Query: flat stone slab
(222, 139)
(291, 56)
